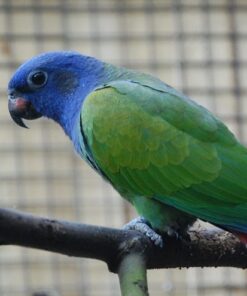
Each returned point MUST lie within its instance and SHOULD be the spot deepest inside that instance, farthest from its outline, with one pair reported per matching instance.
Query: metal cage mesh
(198, 46)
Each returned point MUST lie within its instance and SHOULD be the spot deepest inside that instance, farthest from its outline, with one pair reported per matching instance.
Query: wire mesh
(198, 46)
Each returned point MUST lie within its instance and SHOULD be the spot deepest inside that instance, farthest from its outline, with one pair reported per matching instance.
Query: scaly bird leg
(142, 225)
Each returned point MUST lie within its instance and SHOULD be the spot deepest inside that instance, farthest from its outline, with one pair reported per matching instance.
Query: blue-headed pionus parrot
(172, 159)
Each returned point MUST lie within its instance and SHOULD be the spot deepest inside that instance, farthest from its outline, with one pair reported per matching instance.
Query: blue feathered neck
(71, 77)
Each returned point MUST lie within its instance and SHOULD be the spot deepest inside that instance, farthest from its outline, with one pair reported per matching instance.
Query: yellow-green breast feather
(153, 143)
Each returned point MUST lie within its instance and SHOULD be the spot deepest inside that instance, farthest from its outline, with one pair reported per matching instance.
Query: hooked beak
(20, 108)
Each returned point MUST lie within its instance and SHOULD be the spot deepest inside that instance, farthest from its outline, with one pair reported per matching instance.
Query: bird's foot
(177, 234)
(142, 225)
(171, 232)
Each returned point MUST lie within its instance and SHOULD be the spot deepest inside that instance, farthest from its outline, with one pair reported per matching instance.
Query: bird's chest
(82, 148)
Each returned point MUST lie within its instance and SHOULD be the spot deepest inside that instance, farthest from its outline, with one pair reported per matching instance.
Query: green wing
(159, 144)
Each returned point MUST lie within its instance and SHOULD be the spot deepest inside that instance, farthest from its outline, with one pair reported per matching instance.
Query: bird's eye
(37, 79)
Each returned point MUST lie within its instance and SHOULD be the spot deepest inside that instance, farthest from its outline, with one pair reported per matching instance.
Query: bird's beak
(20, 108)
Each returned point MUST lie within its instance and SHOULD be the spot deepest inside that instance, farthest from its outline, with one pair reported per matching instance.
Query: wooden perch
(125, 252)
(75, 239)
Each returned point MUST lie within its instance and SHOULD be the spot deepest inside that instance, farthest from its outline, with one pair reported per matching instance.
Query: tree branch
(204, 248)
(132, 275)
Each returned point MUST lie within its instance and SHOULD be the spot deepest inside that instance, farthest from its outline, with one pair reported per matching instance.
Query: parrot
(168, 156)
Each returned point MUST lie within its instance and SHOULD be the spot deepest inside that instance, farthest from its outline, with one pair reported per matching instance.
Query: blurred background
(198, 46)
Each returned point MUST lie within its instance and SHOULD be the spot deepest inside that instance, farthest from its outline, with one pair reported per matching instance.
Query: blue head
(53, 85)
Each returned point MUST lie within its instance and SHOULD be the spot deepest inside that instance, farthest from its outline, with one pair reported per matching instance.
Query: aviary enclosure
(198, 46)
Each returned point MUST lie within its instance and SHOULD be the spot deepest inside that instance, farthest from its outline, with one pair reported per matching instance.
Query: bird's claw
(172, 233)
(141, 224)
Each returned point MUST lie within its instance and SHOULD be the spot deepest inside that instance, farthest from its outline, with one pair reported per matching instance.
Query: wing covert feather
(154, 143)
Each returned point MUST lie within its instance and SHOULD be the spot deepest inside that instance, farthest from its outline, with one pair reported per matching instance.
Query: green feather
(160, 149)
